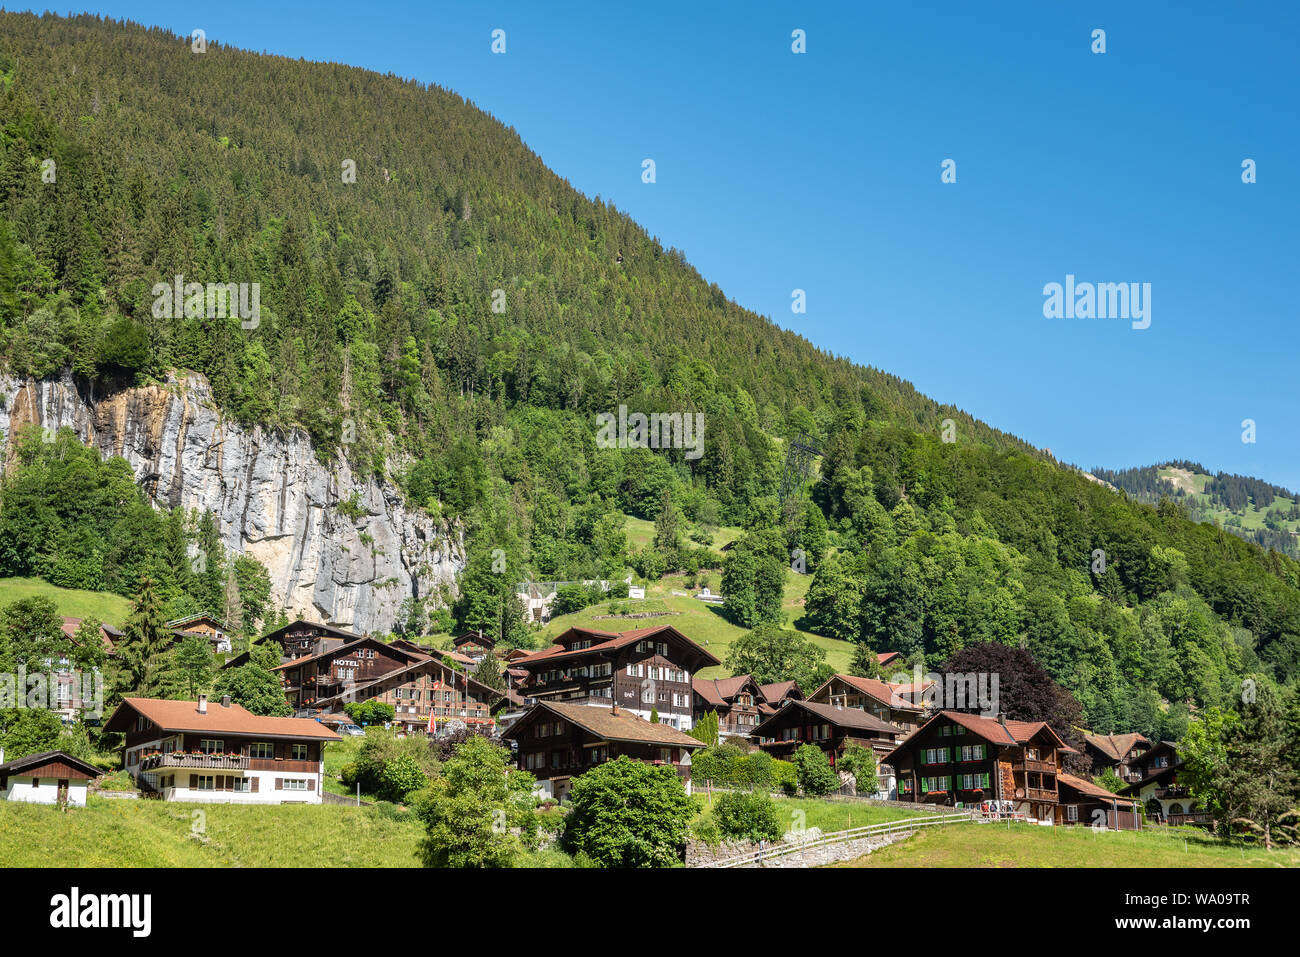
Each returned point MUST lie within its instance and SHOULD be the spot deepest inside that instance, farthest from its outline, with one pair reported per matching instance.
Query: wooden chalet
(1158, 789)
(740, 702)
(1082, 802)
(1116, 752)
(329, 674)
(960, 758)
(644, 671)
(474, 645)
(213, 629)
(223, 753)
(900, 705)
(833, 728)
(557, 741)
(301, 639)
(427, 695)
(108, 635)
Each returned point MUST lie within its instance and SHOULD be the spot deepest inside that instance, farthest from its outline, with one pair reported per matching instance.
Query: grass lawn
(640, 533)
(126, 833)
(1028, 845)
(74, 603)
(701, 622)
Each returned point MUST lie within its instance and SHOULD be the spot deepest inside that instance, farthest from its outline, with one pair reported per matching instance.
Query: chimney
(225, 701)
(1002, 718)
(2, 755)
(203, 704)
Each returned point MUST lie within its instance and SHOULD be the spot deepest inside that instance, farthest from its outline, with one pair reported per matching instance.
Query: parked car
(350, 729)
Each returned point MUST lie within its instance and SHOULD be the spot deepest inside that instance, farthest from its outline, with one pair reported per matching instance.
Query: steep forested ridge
(378, 333)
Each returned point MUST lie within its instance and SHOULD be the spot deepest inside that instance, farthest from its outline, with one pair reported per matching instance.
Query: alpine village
(392, 576)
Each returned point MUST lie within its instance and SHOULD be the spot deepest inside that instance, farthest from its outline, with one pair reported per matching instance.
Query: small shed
(51, 777)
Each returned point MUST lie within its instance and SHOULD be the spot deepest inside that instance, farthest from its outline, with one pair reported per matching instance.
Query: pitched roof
(459, 678)
(219, 719)
(34, 761)
(317, 626)
(1007, 735)
(777, 690)
(604, 724)
(1115, 746)
(1088, 788)
(893, 695)
(720, 691)
(854, 718)
(106, 633)
(607, 641)
(345, 649)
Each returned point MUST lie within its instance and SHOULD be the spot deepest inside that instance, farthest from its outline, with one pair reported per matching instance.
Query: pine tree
(143, 651)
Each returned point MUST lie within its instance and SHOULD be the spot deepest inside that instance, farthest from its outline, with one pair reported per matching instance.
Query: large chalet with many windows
(556, 741)
(898, 704)
(427, 695)
(309, 681)
(646, 671)
(220, 752)
(960, 758)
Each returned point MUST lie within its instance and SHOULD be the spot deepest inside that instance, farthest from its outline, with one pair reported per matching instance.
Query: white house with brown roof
(220, 752)
(51, 777)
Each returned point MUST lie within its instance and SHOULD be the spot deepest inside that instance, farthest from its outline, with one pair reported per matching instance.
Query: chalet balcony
(1038, 794)
(1198, 818)
(177, 759)
(1168, 794)
(1040, 767)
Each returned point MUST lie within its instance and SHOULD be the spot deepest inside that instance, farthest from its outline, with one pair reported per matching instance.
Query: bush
(814, 771)
(752, 817)
(626, 813)
(399, 777)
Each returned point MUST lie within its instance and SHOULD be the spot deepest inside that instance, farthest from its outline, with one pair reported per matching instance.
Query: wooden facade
(344, 668)
(1119, 753)
(960, 758)
(556, 742)
(646, 671)
(895, 704)
(427, 694)
(1163, 797)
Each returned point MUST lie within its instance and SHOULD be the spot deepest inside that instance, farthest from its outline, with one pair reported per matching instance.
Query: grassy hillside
(703, 623)
(127, 833)
(73, 602)
(1024, 845)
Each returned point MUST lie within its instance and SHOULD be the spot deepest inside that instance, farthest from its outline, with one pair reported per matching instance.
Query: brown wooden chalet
(474, 645)
(1082, 802)
(960, 758)
(426, 695)
(898, 704)
(1116, 752)
(643, 671)
(108, 635)
(300, 639)
(833, 728)
(740, 702)
(557, 741)
(309, 681)
(1159, 790)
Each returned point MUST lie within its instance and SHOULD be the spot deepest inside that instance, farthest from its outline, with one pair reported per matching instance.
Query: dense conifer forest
(457, 317)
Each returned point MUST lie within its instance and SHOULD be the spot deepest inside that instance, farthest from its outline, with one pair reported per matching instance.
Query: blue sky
(821, 171)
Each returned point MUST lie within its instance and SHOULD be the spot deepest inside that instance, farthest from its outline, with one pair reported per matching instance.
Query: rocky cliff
(273, 500)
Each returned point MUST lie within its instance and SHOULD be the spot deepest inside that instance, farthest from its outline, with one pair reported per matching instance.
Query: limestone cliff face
(272, 498)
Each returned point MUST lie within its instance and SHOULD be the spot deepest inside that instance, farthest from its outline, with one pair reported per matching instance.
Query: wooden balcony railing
(1038, 794)
(208, 761)
(1042, 767)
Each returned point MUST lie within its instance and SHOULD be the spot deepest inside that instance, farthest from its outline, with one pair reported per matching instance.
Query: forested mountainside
(1258, 511)
(378, 335)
